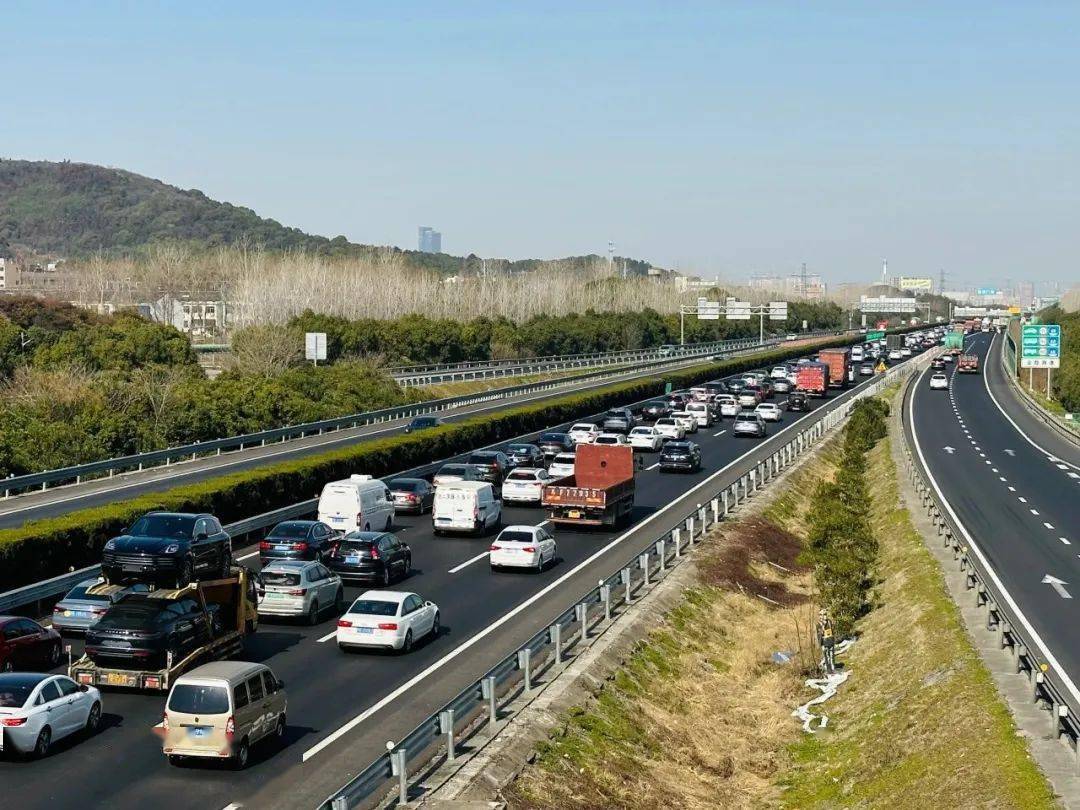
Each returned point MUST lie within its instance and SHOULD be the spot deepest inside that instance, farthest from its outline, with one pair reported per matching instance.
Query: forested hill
(73, 209)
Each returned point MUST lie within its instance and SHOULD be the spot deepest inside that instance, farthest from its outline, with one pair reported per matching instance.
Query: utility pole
(941, 281)
(803, 281)
(610, 254)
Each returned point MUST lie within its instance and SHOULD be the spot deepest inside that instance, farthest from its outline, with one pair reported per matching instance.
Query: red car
(26, 646)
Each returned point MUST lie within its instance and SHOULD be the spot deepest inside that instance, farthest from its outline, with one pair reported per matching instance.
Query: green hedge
(47, 548)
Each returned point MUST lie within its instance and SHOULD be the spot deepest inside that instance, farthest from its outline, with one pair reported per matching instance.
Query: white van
(701, 412)
(465, 506)
(360, 502)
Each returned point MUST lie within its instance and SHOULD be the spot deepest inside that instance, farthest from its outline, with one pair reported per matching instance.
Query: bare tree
(264, 350)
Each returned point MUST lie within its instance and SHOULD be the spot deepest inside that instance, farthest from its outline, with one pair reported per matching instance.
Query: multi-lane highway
(342, 708)
(1013, 486)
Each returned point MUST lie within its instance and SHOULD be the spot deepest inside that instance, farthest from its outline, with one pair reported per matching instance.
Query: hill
(74, 209)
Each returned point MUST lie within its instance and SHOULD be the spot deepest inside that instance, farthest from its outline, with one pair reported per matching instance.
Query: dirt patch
(750, 557)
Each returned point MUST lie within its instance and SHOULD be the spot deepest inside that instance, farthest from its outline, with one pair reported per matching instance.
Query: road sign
(738, 310)
(874, 336)
(708, 310)
(1040, 345)
(778, 310)
(315, 346)
(885, 304)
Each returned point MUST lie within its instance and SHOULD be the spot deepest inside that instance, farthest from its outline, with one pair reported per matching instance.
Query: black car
(798, 401)
(551, 444)
(679, 455)
(297, 540)
(414, 495)
(524, 455)
(651, 411)
(677, 400)
(423, 423)
(735, 385)
(371, 556)
(937, 364)
(170, 547)
(492, 465)
(140, 631)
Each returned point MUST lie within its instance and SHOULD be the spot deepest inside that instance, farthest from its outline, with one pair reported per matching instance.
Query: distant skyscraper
(430, 240)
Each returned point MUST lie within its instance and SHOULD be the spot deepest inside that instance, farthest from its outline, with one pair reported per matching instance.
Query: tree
(265, 351)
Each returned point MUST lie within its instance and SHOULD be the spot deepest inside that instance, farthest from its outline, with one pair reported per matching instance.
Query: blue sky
(714, 137)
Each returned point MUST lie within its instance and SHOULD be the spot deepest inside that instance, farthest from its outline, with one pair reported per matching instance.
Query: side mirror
(83, 687)
(281, 684)
(201, 536)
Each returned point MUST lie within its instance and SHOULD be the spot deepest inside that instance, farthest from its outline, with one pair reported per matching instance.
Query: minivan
(359, 502)
(701, 412)
(465, 506)
(220, 710)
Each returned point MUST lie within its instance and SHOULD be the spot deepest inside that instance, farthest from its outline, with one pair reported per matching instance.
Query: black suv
(798, 401)
(169, 547)
(373, 556)
(525, 455)
(141, 631)
(492, 465)
(651, 411)
(680, 456)
(554, 443)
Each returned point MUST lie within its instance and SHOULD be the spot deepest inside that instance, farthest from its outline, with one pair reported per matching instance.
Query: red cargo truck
(599, 493)
(968, 364)
(839, 363)
(812, 379)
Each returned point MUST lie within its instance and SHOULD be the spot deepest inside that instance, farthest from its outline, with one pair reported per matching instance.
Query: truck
(235, 617)
(812, 379)
(599, 493)
(894, 342)
(954, 342)
(839, 363)
(968, 364)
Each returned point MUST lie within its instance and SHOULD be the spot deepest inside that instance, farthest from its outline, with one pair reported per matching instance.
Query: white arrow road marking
(949, 450)
(1011, 452)
(1058, 585)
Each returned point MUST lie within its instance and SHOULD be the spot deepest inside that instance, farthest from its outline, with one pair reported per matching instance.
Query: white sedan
(584, 432)
(669, 428)
(645, 438)
(37, 709)
(611, 438)
(524, 485)
(530, 547)
(392, 619)
(769, 411)
(939, 382)
(561, 466)
(729, 406)
(687, 421)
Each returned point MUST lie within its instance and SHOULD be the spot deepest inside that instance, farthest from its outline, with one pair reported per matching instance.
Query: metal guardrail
(1029, 659)
(480, 703)
(1064, 428)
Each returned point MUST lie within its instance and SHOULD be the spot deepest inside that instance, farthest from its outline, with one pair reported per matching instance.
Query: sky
(730, 138)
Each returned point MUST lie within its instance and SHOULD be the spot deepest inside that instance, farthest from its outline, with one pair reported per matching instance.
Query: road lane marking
(328, 636)
(1047, 525)
(248, 556)
(654, 466)
(1012, 489)
(721, 433)
(1063, 466)
(1022, 500)
(1034, 511)
(1065, 540)
(468, 562)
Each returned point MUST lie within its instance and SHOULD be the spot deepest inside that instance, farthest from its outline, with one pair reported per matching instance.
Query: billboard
(884, 304)
(988, 291)
(708, 310)
(738, 310)
(778, 310)
(916, 283)
(1040, 346)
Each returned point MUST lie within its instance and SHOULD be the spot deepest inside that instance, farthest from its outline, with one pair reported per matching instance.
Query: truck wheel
(226, 562)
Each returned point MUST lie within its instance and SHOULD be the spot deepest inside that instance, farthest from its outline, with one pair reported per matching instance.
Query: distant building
(430, 240)
(695, 283)
(33, 278)
(203, 314)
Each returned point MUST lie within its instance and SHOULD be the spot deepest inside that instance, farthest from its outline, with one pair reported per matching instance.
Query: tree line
(1065, 381)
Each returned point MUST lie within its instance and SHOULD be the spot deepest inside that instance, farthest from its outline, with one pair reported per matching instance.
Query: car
(948, 357)
(866, 369)
(735, 385)
(144, 628)
(168, 546)
(423, 423)
(728, 405)
(905, 351)
(219, 710)
(680, 455)
(37, 709)
(769, 411)
(388, 619)
(702, 412)
(894, 355)
(530, 547)
(553, 443)
(466, 506)
(645, 438)
(749, 398)
(525, 485)
(357, 502)
(584, 432)
(524, 455)
(81, 607)
(669, 427)
(491, 465)
(937, 364)
(562, 465)
(299, 588)
(371, 556)
(782, 385)
(939, 382)
(748, 423)
(618, 420)
(779, 372)
(798, 401)
(687, 421)
(412, 495)
(26, 645)
(297, 540)
(454, 472)
(611, 438)
(677, 399)
(802, 361)
(765, 386)
(651, 411)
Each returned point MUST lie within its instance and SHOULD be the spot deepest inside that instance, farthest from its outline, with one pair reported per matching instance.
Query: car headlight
(110, 545)
(172, 549)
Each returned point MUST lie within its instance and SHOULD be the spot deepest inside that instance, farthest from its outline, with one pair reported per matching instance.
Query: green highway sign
(875, 336)
(1040, 345)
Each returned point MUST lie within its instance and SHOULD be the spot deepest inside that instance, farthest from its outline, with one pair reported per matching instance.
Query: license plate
(120, 679)
(352, 560)
(364, 631)
(198, 731)
(111, 643)
(574, 513)
(338, 519)
(272, 595)
(281, 548)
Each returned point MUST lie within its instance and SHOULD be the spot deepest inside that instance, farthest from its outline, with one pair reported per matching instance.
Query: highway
(1013, 486)
(343, 707)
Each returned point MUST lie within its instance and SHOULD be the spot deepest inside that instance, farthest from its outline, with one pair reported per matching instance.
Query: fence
(480, 704)
(1068, 428)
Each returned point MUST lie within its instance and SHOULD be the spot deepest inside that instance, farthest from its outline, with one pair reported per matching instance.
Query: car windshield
(745, 417)
(132, 613)
(588, 428)
(454, 469)
(79, 592)
(523, 449)
(425, 421)
(522, 475)
(551, 437)
(676, 447)
(194, 698)
(515, 536)
(163, 526)
(290, 529)
(280, 577)
(483, 458)
(405, 485)
(564, 458)
(606, 440)
(348, 545)
(374, 607)
(641, 431)
(655, 404)
(666, 421)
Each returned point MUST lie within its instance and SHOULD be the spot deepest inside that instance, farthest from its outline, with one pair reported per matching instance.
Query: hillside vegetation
(1066, 380)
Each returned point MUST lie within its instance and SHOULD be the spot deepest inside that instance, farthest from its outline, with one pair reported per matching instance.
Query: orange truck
(812, 379)
(839, 363)
(599, 493)
(967, 364)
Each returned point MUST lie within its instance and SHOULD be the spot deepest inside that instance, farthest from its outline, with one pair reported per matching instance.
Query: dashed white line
(1048, 525)
(1012, 489)
(1065, 540)
(1034, 512)
(468, 562)
(1074, 475)
(1022, 499)
(1063, 466)
(327, 637)
(1001, 478)
(249, 556)
(721, 433)
(654, 466)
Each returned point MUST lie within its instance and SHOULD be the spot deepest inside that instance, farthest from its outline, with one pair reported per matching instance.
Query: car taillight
(57, 609)
(230, 728)
(494, 547)
(13, 721)
(84, 677)
(359, 517)
(299, 546)
(375, 553)
(412, 498)
(99, 611)
(388, 626)
(529, 549)
(344, 623)
(265, 545)
(165, 720)
(297, 591)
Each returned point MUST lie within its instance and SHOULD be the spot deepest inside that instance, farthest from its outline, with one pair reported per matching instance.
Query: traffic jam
(169, 615)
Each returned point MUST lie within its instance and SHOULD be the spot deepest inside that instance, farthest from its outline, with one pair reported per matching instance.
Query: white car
(300, 588)
(37, 709)
(610, 438)
(561, 466)
(768, 411)
(939, 382)
(645, 438)
(779, 372)
(687, 421)
(895, 355)
(393, 619)
(905, 352)
(669, 428)
(584, 432)
(748, 398)
(948, 357)
(525, 485)
(729, 406)
(530, 547)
